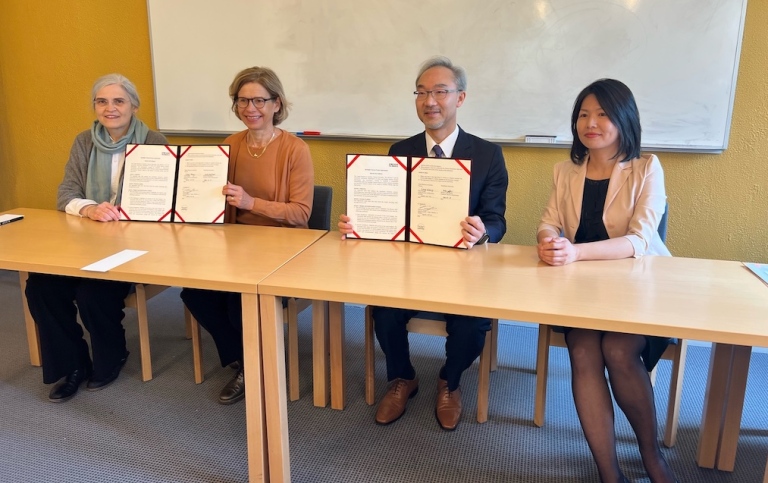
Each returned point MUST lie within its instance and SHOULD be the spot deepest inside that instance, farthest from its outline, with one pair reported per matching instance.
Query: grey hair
(459, 74)
(120, 80)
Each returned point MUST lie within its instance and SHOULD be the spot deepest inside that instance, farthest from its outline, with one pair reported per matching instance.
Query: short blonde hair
(267, 78)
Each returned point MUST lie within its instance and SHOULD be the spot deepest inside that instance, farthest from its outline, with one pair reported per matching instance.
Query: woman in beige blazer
(606, 203)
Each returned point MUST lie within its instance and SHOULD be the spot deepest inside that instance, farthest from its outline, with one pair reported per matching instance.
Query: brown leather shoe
(448, 407)
(392, 405)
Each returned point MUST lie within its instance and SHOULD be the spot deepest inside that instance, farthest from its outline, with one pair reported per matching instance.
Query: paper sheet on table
(112, 261)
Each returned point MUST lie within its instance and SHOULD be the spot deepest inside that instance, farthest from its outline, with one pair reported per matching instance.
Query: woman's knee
(622, 351)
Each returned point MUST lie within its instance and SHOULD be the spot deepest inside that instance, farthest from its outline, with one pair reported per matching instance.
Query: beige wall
(51, 52)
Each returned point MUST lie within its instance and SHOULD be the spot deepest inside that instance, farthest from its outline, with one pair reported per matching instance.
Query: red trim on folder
(355, 234)
(179, 216)
(131, 150)
(225, 151)
(416, 236)
(398, 234)
(217, 218)
(353, 160)
(165, 215)
(458, 161)
(171, 151)
(458, 243)
(121, 210)
(413, 168)
(400, 162)
(185, 151)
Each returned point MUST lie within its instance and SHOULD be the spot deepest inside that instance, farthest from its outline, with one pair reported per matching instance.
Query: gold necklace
(265, 146)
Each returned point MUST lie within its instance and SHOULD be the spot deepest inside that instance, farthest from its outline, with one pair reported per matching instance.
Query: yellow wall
(51, 52)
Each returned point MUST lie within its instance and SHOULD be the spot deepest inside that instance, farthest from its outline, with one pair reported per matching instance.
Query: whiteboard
(349, 66)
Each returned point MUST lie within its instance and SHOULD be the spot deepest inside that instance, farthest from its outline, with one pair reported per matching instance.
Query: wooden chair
(433, 324)
(319, 219)
(136, 299)
(675, 352)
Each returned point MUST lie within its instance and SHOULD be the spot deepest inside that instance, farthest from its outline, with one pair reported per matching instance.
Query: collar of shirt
(447, 145)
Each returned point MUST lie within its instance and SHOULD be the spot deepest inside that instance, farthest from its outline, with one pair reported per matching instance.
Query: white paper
(376, 201)
(148, 179)
(202, 175)
(112, 261)
(439, 200)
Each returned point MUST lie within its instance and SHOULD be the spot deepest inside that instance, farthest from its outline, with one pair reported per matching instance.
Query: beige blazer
(634, 204)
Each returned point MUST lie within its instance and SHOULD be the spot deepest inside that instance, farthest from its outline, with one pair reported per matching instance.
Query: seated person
(271, 184)
(440, 91)
(91, 190)
(608, 200)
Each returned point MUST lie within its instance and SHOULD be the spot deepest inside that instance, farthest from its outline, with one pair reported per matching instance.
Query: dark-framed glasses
(258, 102)
(438, 94)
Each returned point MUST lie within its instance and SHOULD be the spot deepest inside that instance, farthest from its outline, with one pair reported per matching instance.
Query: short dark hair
(619, 105)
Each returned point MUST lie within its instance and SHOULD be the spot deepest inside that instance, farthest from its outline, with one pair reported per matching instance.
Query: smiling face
(114, 110)
(596, 131)
(257, 119)
(438, 116)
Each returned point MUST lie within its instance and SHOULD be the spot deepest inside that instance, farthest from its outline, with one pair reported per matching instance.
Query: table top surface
(713, 300)
(219, 257)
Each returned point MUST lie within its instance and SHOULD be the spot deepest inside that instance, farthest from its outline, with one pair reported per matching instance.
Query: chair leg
(370, 359)
(291, 318)
(33, 337)
(141, 308)
(494, 344)
(542, 366)
(197, 347)
(675, 392)
(483, 379)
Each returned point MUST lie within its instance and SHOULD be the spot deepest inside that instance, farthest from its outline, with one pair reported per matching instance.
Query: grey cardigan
(76, 170)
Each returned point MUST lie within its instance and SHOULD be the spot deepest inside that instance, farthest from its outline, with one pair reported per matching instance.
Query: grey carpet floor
(172, 430)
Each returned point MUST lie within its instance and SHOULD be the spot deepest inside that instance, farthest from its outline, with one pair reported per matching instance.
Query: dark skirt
(654, 347)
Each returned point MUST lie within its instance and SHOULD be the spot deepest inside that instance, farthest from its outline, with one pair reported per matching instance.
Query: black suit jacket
(487, 184)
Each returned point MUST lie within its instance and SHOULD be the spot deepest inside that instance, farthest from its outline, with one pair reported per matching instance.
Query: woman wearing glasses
(271, 183)
(90, 189)
(608, 200)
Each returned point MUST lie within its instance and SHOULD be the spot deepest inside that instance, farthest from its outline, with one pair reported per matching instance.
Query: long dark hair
(619, 105)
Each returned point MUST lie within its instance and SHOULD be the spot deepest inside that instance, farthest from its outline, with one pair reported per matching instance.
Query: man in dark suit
(440, 91)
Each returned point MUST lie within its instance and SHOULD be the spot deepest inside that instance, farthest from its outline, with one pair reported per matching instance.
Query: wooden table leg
(336, 328)
(254, 390)
(737, 388)
(33, 338)
(275, 397)
(714, 405)
(320, 363)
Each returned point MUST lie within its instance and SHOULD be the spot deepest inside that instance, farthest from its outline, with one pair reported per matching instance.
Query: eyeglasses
(258, 102)
(117, 102)
(438, 94)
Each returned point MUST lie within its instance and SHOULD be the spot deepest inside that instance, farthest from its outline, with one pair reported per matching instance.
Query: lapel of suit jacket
(419, 145)
(463, 147)
(576, 184)
(619, 175)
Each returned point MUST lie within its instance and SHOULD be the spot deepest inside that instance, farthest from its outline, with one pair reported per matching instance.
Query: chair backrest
(663, 224)
(320, 218)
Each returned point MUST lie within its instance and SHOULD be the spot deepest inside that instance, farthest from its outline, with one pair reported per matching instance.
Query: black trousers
(221, 314)
(465, 341)
(52, 299)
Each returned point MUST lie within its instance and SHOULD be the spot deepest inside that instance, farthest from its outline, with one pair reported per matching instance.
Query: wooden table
(718, 301)
(231, 258)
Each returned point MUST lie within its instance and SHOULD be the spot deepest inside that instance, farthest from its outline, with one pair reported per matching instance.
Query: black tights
(591, 353)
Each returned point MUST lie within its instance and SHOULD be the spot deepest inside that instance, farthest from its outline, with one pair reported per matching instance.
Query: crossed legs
(591, 353)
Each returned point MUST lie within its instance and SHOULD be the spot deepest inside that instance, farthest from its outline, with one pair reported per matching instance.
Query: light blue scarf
(99, 181)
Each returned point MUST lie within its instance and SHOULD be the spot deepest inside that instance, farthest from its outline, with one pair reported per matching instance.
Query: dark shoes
(448, 406)
(99, 384)
(392, 406)
(64, 390)
(234, 390)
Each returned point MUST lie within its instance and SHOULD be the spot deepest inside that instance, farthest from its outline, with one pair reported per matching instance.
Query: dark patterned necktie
(438, 151)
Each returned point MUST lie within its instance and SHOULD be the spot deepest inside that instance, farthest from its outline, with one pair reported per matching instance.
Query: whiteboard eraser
(540, 138)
